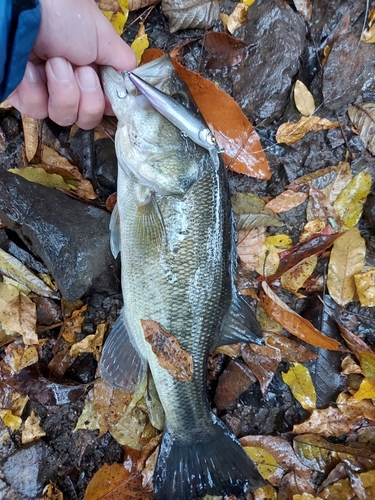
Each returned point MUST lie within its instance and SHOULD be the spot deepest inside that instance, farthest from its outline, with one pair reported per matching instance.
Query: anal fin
(239, 324)
(121, 365)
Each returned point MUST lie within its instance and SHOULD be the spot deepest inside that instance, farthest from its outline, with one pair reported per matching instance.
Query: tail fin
(213, 464)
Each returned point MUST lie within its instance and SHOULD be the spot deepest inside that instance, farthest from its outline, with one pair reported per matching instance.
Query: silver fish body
(174, 227)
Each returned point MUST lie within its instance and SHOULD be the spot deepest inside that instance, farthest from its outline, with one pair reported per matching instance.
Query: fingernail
(61, 69)
(87, 79)
(31, 73)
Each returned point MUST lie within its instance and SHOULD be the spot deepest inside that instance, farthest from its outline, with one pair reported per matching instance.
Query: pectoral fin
(149, 221)
(239, 324)
(121, 365)
(114, 227)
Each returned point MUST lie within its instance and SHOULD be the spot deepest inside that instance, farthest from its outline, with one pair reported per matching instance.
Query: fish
(174, 227)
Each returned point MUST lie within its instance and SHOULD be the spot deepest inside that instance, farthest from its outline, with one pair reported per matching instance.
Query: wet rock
(233, 382)
(261, 84)
(29, 469)
(348, 72)
(370, 210)
(106, 164)
(70, 237)
(47, 311)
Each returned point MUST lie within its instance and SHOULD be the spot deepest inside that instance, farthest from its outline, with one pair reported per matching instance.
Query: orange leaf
(293, 322)
(286, 201)
(233, 131)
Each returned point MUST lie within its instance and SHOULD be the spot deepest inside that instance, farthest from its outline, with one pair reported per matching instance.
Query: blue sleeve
(19, 26)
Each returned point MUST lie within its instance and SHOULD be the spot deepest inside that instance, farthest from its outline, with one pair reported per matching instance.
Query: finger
(31, 97)
(92, 103)
(63, 91)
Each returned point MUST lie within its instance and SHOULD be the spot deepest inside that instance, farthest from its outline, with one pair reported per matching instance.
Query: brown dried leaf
(73, 325)
(237, 18)
(140, 4)
(51, 492)
(18, 316)
(109, 404)
(18, 356)
(362, 116)
(171, 356)
(263, 365)
(303, 99)
(91, 344)
(344, 489)
(188, 14)
(31, 131)
(320, 208)
(224, 49)
(294, 279)
(338, 419)
(289, 133)
(32, 430)
(289, 349)
(347, 259)
(293, 322)
(342, 179)
(235, 379)
(286, 201)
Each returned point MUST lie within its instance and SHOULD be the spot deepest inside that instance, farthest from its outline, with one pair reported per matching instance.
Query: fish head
(148, 146)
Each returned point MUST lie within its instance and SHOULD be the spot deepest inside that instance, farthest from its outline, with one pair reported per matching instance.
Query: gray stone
(69, 236)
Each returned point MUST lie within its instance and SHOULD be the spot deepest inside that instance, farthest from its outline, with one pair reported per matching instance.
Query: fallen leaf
(18, 316)
(140, 43)
(289, 349)
(32, 430)
(190, 13)
(31, 131)
(116, 12)
(90, 344)
(109, 404)
(342, 179)
(262, 362)
(322, 456)
(51, 492)
(19, 356)
(289, 133)
(299, 381)
(249, 211)
(339, 419)
(349, 203)
(294, 279)
(128, 430)
(140, 4)
(266, 464)
(362, 116)
(292, 322)
(268, 261)
(320, 208)
(234, 380)
(286, 201)
(237, 18)
(303, 99)
(13, 268)
(347, 259)
(267, 492)
(365, 287)
(368, 35)
(88, 419)
(366, 390)
(304, 7)
(168, 351)
(249, 246)
(225, 50)
(343, 489)
(312, 228)
(233, 131)
(321, 176)
(40, 176)
(279, 242)
(73, 325)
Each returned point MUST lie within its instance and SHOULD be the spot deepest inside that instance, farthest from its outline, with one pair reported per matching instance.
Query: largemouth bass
(174, 227)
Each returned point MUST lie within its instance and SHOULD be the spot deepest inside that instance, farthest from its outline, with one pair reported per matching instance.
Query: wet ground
(280, 47)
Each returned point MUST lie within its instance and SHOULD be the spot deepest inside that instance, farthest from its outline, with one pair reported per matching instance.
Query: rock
(29, 469)
(276, 36)
(370, 210)
(236, 379)
(70, 237)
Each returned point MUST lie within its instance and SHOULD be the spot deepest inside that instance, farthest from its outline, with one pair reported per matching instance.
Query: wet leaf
(339, 419)
(19, 356)
(299, 381)
(366, 390)
(128, 430)
(224, 49)
(289, 133)
(188, 14)
(237, 18)
(303, 99)
(40, 176)
(18, 315)
(347, 259)
(343, 489)
(51, 492)
(233, 131)
(362, 116)
(13, 268)
(280, 242)
(302, 251)
(368, 35)
(109, 404)
(235, 379)
(88, 419)
(322, 456)
(342, 179)
(367, 361)
(249, 211)
(267, 492)
(319, 207)
(263, 363)
(31, 131)
(286, 201)
(167, 349)
(294, 279)
(90, 344)
(312, 228)
(289, 349)
(32, 430)
(140, 43)
(249, 246)
(268, 261)
(349, 203)
(12, 421)
(365, 287)
(73, 325)
(140, 4)
(292, 322)
(116, 11)
(266, 464)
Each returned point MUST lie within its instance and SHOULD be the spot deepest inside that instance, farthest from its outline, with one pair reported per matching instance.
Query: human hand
(61, 79)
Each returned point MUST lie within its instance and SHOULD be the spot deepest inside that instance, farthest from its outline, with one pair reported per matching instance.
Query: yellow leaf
(32, 430)
(40, 176)
(365, 284)
(248, 2)
(268, 261)
(303, 99)
(237, 18)
(279, 242)
(289, 133)
(347, 259)
(118, 21)
(10, 420)
(366, 390)
(266, 492)
(294, 279)
(367, 361)
(140, 43)
(298, 379)
(51, 492)
(90, 344)
(368, 35)
(89, 418)
(349, 203)
(264, 461)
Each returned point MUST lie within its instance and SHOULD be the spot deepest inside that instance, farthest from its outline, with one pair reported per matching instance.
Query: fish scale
(174, 226)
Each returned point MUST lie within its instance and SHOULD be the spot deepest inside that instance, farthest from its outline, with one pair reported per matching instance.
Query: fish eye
(181, 98)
